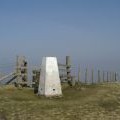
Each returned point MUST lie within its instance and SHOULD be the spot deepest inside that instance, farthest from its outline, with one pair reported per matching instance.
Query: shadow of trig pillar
(49, 83)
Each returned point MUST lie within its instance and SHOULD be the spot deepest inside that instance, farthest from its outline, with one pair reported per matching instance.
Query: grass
(86, 102)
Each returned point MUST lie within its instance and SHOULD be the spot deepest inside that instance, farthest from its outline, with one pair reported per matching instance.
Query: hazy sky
(87, 30)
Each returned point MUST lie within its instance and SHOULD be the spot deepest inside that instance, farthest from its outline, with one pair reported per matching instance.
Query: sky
(86, 30)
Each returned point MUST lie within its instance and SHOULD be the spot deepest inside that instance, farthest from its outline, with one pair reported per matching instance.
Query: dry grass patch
(87, 102)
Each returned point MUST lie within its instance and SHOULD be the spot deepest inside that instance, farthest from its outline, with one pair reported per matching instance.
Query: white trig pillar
(49, 83)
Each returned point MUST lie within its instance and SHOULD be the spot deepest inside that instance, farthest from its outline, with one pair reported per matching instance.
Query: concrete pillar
(49, 84)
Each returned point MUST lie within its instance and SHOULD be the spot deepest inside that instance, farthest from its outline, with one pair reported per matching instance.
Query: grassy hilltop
(93, 102)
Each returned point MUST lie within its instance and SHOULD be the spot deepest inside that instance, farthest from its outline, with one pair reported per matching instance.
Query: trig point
(49, 84)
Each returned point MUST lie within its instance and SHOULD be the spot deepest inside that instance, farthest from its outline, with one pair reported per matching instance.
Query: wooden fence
(95, 77)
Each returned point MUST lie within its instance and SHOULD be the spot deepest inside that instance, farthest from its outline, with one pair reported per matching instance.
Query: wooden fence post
(99, 79)
(21, 71)
(110, 77)
(92, 76)
(115, 76)
(17, 69)
(79, 75)
(68, 68)
(107, 77)
(86, 75)
(103, 76)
